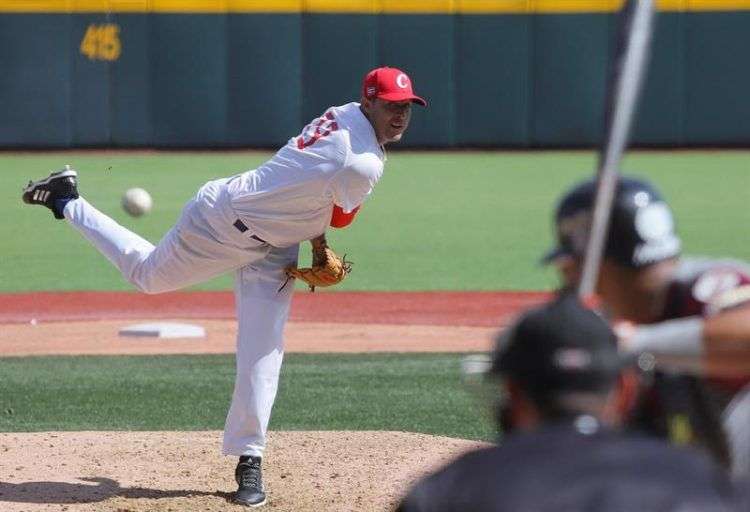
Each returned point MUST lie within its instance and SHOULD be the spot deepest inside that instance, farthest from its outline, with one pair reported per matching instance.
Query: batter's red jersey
(685, 408)
(705, 287)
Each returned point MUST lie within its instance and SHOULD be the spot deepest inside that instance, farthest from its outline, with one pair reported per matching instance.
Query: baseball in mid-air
(137, 202)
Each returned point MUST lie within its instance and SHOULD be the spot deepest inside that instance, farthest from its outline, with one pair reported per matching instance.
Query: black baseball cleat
(250, 480)
(48, 191)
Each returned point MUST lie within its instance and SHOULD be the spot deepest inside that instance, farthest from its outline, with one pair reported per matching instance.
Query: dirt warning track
(88, 322)
(485, 309)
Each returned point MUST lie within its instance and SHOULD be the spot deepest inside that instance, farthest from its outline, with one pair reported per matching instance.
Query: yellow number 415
(102, 42)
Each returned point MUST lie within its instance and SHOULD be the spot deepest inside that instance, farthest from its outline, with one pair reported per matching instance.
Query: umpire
(562, 392)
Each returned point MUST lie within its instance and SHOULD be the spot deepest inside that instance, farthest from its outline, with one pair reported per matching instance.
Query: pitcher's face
(389, 119)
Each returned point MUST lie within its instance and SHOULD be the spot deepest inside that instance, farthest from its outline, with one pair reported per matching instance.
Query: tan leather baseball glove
(327, 267)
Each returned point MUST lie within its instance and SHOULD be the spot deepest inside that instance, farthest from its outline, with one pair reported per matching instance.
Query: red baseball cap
(390, 84)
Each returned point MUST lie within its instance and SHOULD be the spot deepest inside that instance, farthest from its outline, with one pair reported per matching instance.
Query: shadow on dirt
(102, 489)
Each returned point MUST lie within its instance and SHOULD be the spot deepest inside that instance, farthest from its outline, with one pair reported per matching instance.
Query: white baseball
(137, 202)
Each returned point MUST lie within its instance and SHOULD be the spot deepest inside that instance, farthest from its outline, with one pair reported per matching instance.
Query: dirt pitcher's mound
(183, 471)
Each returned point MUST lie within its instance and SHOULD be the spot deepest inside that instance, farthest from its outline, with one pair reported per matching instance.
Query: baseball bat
(626, 77)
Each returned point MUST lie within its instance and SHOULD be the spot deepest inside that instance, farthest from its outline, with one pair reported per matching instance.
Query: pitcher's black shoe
(49, 191)
(249, 478)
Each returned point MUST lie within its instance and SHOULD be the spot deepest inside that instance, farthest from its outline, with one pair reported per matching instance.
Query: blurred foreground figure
(562, 392)
(689, 317)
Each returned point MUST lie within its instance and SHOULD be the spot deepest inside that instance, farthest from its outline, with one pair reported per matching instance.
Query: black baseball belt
(242, 228)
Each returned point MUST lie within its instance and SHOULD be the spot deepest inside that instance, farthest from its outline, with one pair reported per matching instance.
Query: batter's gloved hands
(327, 267)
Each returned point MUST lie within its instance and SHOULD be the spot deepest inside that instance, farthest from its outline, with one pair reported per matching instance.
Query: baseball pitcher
(252, 224)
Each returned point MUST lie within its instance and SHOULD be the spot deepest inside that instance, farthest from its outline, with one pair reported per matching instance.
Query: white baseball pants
(203, 244)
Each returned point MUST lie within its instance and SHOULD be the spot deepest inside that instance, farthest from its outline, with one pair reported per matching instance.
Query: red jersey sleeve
(709, 290)
(339, 219)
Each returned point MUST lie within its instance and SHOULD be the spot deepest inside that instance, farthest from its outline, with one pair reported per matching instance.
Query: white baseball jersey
(335, 160)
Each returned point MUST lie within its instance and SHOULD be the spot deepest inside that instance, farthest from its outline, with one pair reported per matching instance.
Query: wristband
(682, 338)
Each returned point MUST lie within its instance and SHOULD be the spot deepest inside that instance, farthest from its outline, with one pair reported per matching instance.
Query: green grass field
(402, 392)
(437, 220)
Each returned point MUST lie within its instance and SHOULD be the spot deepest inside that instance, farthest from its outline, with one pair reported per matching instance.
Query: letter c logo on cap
(402, 81)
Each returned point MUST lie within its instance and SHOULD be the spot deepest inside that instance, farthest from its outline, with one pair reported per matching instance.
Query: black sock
(60, 204)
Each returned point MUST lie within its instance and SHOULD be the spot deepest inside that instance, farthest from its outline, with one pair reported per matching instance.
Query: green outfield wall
(503, 73)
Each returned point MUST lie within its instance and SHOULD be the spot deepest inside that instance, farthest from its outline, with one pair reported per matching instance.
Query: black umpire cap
(559, 347)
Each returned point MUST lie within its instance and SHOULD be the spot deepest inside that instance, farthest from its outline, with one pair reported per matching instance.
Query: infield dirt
(184, 471)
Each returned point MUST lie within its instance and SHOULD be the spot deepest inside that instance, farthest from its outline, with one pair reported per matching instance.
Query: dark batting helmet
(641, 228)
